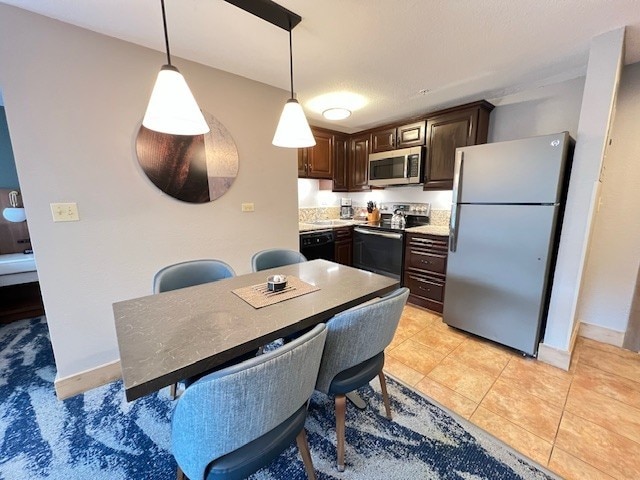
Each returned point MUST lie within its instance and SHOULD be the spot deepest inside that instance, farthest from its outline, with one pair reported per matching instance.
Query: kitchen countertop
(442, 230)
(308, 227)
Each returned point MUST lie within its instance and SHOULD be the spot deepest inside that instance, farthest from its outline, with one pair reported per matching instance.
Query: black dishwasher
(318, 244)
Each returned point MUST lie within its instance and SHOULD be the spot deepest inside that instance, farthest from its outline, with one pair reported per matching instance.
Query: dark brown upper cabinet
(359, 163)
(447, 130)
(391, 138)
(317, 161)
(340, 163)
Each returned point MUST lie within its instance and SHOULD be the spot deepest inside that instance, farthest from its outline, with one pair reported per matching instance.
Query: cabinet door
(456, 127)
(359, 163)
(303, 153)
(411, 135)
(445, 133)
(344, 252)
(320, 156)
(340, 164)
(383, 140)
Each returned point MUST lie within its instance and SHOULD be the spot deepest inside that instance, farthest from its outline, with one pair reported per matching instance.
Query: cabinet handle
(391, 142)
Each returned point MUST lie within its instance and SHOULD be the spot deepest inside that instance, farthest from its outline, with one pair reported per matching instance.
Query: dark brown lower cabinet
(20, 302)
(344, 245)
(425, 266)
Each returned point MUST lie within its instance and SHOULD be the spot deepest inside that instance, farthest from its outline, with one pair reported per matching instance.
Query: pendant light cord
(166, 35)
(290, 57)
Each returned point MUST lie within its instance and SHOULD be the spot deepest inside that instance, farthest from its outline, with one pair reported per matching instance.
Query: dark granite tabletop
(170, 336)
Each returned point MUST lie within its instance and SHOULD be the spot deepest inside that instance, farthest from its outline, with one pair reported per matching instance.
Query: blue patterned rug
(99, 435)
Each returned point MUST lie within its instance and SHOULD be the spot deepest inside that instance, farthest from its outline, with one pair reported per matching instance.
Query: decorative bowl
(275, 283)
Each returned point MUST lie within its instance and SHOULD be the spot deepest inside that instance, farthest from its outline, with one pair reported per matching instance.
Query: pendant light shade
(172, 108)
(293, 129)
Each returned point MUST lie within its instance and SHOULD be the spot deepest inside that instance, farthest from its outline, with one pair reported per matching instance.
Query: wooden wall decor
(14, 237)
(190, 168)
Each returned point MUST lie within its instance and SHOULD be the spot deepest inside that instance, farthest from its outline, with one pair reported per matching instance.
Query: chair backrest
(231, 407)
(190, 273)
(275, 257)
(359, 334)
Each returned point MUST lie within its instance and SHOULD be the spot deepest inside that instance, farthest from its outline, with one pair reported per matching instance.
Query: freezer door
(519, 171)
(496, 283)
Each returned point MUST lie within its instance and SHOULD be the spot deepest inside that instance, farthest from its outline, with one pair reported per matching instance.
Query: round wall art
(191, 168)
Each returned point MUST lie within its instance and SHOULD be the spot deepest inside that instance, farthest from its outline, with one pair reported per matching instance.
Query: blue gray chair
(233, 422)
(354, 353)
(275, 257)
(188, 274)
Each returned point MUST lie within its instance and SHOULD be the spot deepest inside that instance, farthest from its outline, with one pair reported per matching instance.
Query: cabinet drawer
(424, 286)
(423, 260)
(428, 243)
(342, 233)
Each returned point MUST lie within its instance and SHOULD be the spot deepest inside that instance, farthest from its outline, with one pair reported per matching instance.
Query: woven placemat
(259, 296)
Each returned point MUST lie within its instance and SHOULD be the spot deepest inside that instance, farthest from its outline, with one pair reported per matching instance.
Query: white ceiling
(385, 50)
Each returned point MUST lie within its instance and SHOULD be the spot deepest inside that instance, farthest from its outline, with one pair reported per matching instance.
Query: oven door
(378, 251)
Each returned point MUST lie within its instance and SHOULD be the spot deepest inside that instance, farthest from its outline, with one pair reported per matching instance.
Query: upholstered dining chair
(354, 353)
(275, 257)
(188, 274)
(232, 422)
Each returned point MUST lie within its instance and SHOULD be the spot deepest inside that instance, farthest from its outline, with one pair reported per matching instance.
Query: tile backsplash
(311, 214)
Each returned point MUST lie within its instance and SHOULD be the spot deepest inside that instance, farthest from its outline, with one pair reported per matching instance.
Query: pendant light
(293, 129)
(172, 108)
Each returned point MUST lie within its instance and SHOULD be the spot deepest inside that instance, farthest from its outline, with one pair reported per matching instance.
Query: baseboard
(81, 382)
(601, 334)
(557, 357)
(554, 356)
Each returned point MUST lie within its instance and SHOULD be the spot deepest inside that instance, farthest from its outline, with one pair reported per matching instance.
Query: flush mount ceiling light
(336, 113)
(330, 103)
(172, 108)
(293, 129)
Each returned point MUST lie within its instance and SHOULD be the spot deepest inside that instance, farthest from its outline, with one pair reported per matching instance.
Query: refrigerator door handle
(453, 221)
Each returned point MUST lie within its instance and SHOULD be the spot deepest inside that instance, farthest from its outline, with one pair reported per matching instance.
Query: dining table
(170, 336)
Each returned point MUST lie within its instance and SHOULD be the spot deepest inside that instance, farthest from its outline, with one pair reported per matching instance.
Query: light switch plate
(64, 212)
(247, 207)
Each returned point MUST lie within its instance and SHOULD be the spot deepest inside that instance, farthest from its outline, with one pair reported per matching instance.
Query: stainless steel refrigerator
(507, 206)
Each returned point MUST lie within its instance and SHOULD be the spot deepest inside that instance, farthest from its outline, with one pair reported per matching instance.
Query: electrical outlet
(247, 207)
(65, 212)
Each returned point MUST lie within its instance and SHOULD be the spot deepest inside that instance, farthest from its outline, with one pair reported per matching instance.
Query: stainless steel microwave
(396, 167)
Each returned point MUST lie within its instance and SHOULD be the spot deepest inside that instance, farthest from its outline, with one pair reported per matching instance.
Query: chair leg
(385, 395)
(180, 475)
(173, 390)
(303, 446)
(341, 408)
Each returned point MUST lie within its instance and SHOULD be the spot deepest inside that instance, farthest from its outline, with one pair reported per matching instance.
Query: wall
(8, 174)
(310, 195)
(74, 102)
(614, 257)
(596, 113)
(539, 111)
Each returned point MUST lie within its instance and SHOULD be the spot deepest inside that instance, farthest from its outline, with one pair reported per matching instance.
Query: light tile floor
(581, 424)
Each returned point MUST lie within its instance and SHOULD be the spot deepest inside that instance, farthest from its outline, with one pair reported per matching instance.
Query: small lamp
(172, 108)
(293, 130)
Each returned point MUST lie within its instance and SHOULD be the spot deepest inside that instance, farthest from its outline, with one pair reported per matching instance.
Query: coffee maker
(346, 210)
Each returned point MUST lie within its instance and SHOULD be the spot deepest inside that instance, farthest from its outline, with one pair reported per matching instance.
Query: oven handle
(395, 236)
